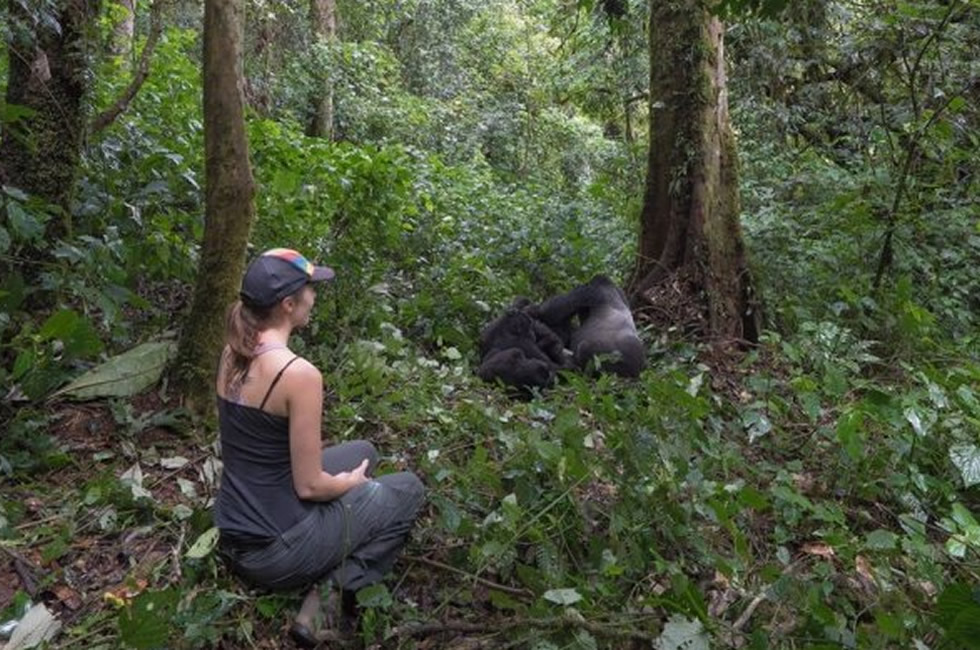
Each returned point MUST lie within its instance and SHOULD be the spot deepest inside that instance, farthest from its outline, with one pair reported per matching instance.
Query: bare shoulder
(303, 371)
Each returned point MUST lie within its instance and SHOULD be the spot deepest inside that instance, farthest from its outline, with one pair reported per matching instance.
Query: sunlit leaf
(562, 596)
(682, 633)
(967, 459)
(204, 544)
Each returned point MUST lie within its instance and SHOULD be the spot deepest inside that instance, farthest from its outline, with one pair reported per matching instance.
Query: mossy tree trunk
(323, 16)
(691, 250)
(48, 73)
(229, 210)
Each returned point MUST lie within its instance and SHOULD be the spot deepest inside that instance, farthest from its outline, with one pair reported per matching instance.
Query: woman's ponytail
(242, 327)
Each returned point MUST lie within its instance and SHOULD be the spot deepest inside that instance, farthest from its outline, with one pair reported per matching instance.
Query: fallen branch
(106, 117)
(514, 591)
(615, 629)
(26, 571)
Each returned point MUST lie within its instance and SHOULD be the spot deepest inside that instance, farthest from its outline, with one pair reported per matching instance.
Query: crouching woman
(291, 513)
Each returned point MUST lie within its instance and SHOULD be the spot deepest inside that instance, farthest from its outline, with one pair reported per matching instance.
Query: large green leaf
(146, 622)
(123, 375)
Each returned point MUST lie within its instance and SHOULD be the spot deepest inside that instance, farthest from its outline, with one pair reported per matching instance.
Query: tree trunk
(229, 210)
(48, 74)
(690, 251)
(122, 32)
(323, 15)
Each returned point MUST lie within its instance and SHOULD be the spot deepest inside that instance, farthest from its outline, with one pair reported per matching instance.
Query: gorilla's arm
(549, 343)
(558, 311)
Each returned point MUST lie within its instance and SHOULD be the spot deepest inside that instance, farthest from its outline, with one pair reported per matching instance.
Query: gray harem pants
(353, 539)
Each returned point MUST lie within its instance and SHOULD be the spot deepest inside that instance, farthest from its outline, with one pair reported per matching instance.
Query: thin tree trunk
(47, 73)
(229, 210)
(106, 117)
(323, 15)
(689, 225)
(123, 31)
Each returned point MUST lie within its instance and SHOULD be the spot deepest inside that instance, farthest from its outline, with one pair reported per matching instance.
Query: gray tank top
(256, 501)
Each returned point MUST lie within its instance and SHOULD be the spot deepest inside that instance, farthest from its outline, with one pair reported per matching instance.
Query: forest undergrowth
(817, 490)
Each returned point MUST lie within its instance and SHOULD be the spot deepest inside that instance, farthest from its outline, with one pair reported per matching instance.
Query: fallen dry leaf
(863, 567)
(68, 596)
(125, 592)
(819, 549)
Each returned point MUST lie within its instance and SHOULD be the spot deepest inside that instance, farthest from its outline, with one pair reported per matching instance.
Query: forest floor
(87, 547)
(113, 519)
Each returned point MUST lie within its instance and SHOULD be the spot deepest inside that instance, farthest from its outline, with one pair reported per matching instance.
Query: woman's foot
(303, 629)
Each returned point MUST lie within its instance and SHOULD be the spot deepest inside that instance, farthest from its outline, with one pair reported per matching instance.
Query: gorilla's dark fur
(605, 338)
(519, 350)
(525, 347)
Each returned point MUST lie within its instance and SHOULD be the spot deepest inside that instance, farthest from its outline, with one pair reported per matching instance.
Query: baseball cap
(278, 273)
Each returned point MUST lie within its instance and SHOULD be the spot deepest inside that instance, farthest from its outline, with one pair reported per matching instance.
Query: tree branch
(106, 117)
(523, 593)
(613, 629)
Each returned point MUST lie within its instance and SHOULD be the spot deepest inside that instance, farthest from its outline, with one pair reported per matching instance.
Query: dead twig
(514, 591)
(613, 629)
(26, 571)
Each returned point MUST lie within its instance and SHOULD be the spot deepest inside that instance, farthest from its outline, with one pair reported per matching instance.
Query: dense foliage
(819, 490)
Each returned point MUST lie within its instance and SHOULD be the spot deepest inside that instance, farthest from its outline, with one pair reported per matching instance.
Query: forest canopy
(785, 192)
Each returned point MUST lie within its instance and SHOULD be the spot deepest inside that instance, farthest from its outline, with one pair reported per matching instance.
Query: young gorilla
(605, 327)
(519, 350)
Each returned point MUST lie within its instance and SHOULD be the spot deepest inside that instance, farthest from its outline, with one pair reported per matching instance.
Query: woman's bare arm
(304, 395)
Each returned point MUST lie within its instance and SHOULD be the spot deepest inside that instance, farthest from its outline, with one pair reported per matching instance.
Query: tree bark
(229, 209)
(323, 16)
(123, 31)
(690, 232)
(48, 74)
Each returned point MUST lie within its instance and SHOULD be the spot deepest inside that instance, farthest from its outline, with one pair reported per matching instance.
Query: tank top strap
(276, 381)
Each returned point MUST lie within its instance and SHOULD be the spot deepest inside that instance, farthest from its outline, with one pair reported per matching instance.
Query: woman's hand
(356, 476)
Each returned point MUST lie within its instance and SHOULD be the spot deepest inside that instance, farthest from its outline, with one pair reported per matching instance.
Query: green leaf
(958, 612)
(23, 224)
(146, 623)
(562, 596)
(78, 335)
(915, 420)
(881, 540)
(967, 460)
(377, 595)
(123, 375)
(13, 192)
(23, 363)
(204, 544)
(500, 600)
(753, 498)
(60, 324)
(270, 606)
(849, 434)
(682, 633)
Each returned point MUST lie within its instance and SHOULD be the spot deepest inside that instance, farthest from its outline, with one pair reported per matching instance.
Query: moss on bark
(229, 211)
(48, 73)
(690, 220)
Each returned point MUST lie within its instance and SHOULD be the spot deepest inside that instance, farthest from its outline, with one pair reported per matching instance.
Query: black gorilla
(605, 333)
(519, 350)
